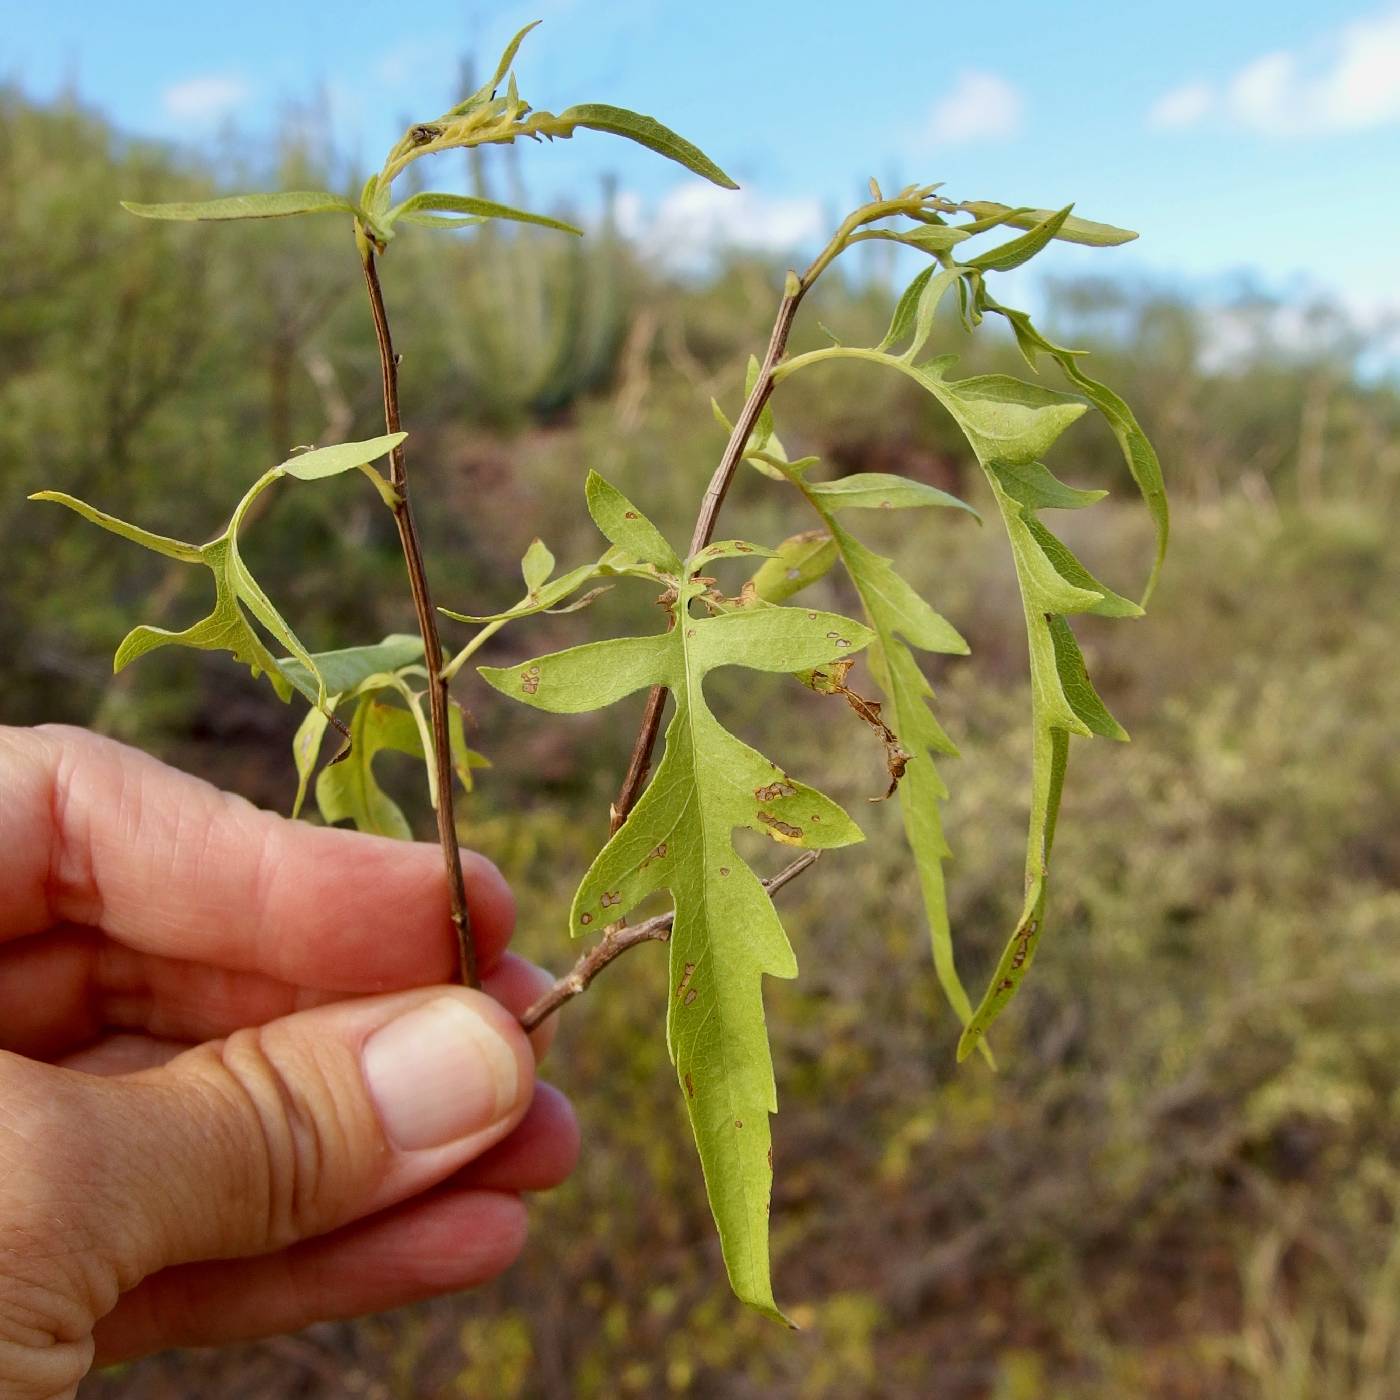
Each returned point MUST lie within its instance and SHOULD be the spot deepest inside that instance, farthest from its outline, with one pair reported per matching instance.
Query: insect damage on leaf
(831, 680)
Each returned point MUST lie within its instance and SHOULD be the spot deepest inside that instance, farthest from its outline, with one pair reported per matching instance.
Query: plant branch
(796, 288)
(427, 625)
(618, 939)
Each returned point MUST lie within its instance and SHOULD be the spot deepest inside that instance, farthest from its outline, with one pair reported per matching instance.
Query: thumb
(245, 1145)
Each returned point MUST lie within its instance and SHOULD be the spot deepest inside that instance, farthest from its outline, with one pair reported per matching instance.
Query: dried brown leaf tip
(831, 680)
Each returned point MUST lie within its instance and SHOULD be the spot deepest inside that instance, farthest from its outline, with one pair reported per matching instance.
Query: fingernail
(439, 1073)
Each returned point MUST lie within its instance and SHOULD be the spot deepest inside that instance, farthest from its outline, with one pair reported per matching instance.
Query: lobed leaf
(349, 791)
(1138, 453)
(726, 935)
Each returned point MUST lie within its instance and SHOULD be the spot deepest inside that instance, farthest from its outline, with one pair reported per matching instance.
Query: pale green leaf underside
(1010, 425)
(239, 600)
(281, 205)
(228, 626)
(341, 457)
(1073, 230)
(882, 491)
(344, 669)
(800, 561)
(415, 207)
(646, 131)
(349, 791)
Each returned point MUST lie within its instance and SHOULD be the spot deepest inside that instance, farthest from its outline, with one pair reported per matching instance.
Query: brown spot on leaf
(783, 831)
(689, 1087)
(689, 996)
(774, 790)
(770, 1159)
(585, 918)
(530, 679)
(630, 515)
(724, 870)
(611, 897)
(685, 979)
(738, 1122)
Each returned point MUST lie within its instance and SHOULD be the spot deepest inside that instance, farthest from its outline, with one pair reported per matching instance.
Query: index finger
(95, 833)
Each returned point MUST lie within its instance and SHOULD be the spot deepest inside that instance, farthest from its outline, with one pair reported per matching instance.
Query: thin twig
(427, 626)
(715, 493)
(795, 289)
(618, 939)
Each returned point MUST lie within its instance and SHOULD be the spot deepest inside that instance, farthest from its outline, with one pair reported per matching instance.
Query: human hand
(232, 1100)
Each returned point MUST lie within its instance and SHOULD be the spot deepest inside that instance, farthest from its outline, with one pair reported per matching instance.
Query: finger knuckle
(300, 1127)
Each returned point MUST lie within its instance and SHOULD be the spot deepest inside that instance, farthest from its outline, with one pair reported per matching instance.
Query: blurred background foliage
(1184, 1181)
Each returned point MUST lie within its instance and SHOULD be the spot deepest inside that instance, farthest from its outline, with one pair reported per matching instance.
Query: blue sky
(1237, 135)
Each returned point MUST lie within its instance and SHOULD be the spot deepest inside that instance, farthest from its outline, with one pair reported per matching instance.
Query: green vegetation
(1182, 1181)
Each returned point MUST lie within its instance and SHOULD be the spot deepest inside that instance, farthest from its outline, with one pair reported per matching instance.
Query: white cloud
(695, 220)
(204, 99)
(1181, 107)
(1347, 82)
(979, 107)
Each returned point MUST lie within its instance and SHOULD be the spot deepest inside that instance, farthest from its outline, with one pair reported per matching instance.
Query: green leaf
(507, 58)
(729, 549)
(901, 618)
(646, 131)
(1138, 452)
(537, 565)
(623, 524)
(1020, 250)
(282, 205)
(1037, 488)
(159, 544)
(881, 491)
(1072, 230)
(1063, 702)
(800, 560)
(916, 309)
(1006, 420)
(726, 935)
(418, 207)
(349, 791)
(236, 594)
(344, 669)
(342, 457)
(306, 749)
